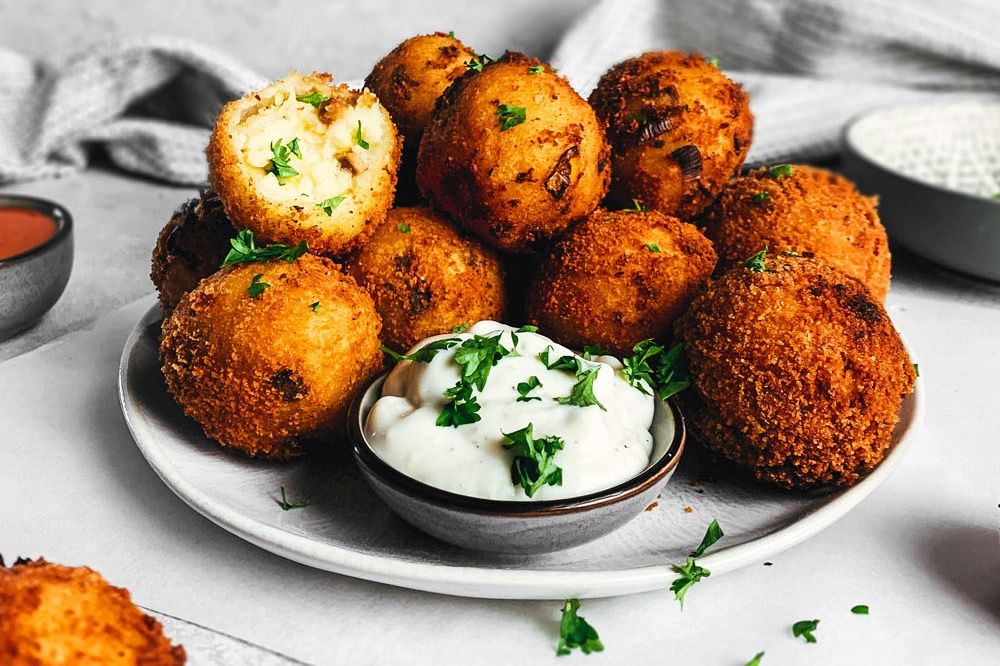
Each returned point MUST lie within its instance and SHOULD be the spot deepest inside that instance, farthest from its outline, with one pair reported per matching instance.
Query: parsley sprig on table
(690, 572)
(245, 251)
(664, 370)
(280, 161)
(756, 659)
(576, 632)
(534, 464)
(286, 505)
(805, 629)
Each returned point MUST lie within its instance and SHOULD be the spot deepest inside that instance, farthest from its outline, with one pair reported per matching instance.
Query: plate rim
(481, 582)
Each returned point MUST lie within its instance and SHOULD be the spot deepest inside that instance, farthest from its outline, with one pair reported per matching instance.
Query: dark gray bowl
(526, 527)
(895, 153)
(31, 282)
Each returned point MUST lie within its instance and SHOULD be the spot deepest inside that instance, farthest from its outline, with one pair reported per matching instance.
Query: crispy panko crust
(619, 277)
(797, 373)
(408, 81)
(679, 130)
(51, 614)
(190, 247)
(280, 221)
(429, 279)
(522, 187)
(266, 375)
(810, 211)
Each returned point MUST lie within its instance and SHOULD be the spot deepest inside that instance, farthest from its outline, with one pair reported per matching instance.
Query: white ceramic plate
(347, 530)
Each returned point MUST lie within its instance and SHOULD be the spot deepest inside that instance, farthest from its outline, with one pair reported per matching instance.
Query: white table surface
(922, 551)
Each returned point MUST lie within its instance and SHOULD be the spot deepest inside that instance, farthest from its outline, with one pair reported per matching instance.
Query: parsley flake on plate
(526, 387)
(329, 205)
(281, 154)
(576, 632)
(756, 659)
(860, 609)
(286, 505)
(243, 250)
(664, 370)
(690, 572)
(533, 465)
(315, 98)
(257, 287)
(805, 629)
(510, 116)
(755, 262)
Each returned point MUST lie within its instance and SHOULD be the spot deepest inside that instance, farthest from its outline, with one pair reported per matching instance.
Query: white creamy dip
(602, 448)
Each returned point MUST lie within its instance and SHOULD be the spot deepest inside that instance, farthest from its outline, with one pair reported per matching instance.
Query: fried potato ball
(408, 81)
(426, 277)
(514, 154)
(190, 247)
(619, 277)
(266, 356)
(797, 373)
(51, 614)
(798, 208)
(679, 130)
(303, 159)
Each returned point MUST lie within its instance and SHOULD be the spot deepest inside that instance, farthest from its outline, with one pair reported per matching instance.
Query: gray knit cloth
(809, 66)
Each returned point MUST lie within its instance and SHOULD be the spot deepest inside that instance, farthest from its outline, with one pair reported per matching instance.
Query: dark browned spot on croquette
(862, 306)
(688, 158)
(558, 179)
(288, 385)
(419, 300)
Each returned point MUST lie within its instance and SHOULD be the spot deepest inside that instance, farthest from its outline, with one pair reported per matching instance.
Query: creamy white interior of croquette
(602, 448)
(332, 164)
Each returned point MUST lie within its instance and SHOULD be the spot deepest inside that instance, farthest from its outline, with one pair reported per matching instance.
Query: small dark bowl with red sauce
(36, 258)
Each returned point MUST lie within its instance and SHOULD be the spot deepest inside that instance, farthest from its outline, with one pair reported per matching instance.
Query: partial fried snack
(190, 247)
(303, 159)
(410, 78)
(797, 372)
(266, 356)
(51, 614)
(679, 130)
(514, 154)
(426, 277)
(803, 209)
(619, 277)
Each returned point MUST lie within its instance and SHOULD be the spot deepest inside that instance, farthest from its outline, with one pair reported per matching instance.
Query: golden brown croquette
(190, 247)
(619, 277)
(514, 154)
(303, 159)
(679, 130)
(426, 277)
(54, 615)
(804, 209)
(797, 373)
(266, 356)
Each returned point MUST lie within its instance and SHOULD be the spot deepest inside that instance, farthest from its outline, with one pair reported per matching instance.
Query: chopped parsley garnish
(315, 306)
(756, 261)
(533, 465)
(689, 572)
(756, 659)
(526, 387)
(805, 629)
(461, 328)
(510, 116)
(281, 154)
(315, 98)
(582, 393)
(664, 370)
(403, 228)
(477, 356)
(916, 368)
(537, 69)
(479, 62)
(653, 247)
(244, 250)
(576, 632)
(257, 287)
(328, 205)
(714, 62)
(638, 207)
(562, 363)
(286, 505)
(790, 253)
(590, 351)
(358, 139)
(780, 171)
(860, 609)
(451, 33)
(761, 198)
(527, 328)
(425, 353)
(461, 408)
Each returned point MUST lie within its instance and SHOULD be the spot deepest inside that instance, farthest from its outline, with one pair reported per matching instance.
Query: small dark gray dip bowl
(521, 527)
(31, 282)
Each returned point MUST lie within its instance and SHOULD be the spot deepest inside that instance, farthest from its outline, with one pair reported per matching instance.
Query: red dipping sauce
(22, 229)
